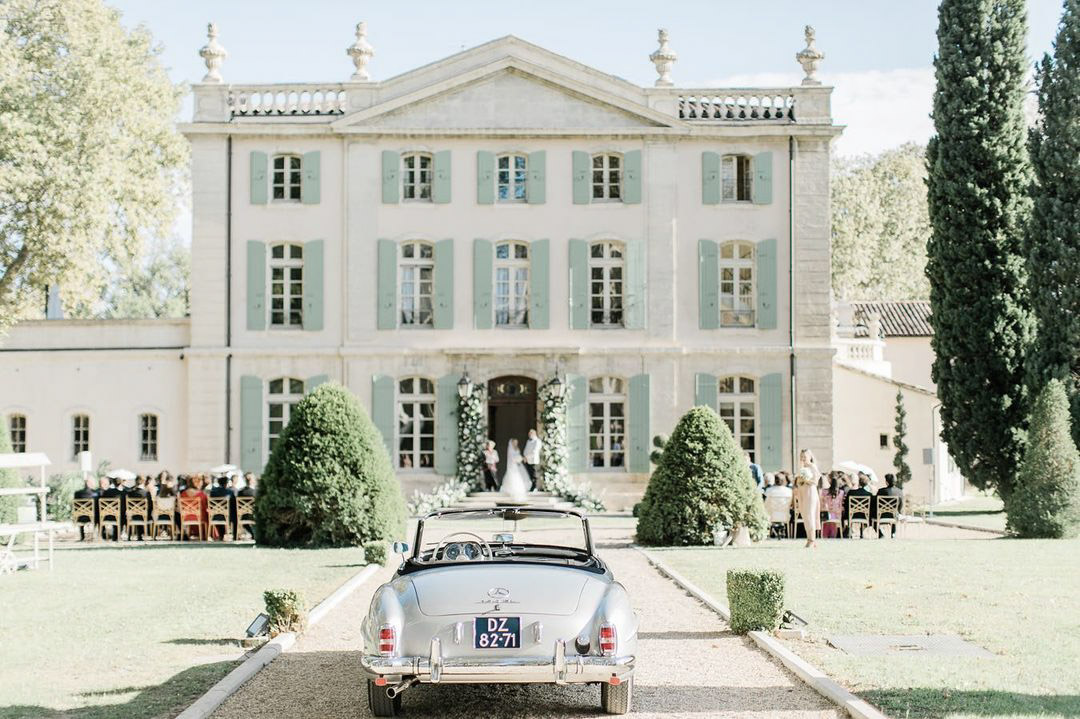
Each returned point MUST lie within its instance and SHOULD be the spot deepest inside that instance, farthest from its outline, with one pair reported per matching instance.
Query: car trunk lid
(476, 589)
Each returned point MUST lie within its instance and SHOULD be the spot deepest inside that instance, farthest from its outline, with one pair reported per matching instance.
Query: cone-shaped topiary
(329, 481)
(703, 481)
(1046, 502)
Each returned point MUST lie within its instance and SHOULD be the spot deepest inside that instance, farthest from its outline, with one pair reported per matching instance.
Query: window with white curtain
(737, 405)
(416, 423)
(283, 394)
(512, 284)
(607, 268)
(737, 302)
(607, 422)
(415, 280)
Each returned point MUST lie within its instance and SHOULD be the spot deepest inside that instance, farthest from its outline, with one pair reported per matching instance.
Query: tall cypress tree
(1054, 241)
(978, 180)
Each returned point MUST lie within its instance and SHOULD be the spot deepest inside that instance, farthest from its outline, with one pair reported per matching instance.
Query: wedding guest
(860, 491)
(832, 505)
(194, 489)
(531, 455)
(103, 484)
(806, 494)
(755, 470)
(116, 491)
(222, 491)
(88, 492)
(249, 486)
(890, 490)
(491, 466)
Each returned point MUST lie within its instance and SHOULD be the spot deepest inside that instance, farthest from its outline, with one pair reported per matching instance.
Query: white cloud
(881, 108)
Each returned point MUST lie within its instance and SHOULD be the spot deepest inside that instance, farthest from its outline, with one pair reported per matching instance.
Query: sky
(878, 53)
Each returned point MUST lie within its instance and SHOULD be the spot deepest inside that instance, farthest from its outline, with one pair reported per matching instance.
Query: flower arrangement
(472, 433)
(446, 494)
(556, 455)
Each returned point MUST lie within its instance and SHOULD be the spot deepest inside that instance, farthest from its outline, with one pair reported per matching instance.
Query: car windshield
(503, 532)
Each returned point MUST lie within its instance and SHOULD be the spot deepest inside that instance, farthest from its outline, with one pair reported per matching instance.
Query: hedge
(755, 599)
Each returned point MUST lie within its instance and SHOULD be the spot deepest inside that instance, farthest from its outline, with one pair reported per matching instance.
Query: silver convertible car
(501, 595)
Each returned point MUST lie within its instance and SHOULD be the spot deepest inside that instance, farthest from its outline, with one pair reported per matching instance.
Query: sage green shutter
(762, 189)
(638, 460)
(705, 390)
(766, 284)
(483, 268)
(539, 284)
(382, 411)
(310, 181)
(582, 171)
(535, 193)
(577, 428)
(251, 424)
(771, 432)
(708, 285)
(387, 285)
(710, 178)
(485, 178)
(631, 189)
(446, 421)
(579, 284)
(257, 176)
(444, 285)
(391, 186)
(440, 190)
(311, 383)
(635, 301)
(313, 285)
(256, 285)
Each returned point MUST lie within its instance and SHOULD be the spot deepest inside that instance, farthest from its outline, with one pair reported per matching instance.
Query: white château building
(505, 212)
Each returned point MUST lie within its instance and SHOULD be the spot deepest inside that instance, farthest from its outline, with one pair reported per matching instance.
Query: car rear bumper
(558, 668)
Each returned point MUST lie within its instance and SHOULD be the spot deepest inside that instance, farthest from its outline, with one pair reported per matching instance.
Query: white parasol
(124, 475)
(855, 467)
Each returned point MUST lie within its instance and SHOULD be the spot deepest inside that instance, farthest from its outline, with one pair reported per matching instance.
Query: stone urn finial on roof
(213, 54)
(361, 52)
(663, 57)
(810, 57)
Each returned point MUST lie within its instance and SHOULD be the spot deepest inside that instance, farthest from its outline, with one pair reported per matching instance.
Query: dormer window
(285, 180)
(416, 169)
(510, 177)
(736, 176)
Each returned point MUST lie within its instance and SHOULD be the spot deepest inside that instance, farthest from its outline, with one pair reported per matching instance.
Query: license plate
(497, 633)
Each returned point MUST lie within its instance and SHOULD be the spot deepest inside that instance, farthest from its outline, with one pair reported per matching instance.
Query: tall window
(283, 394)
(287, 285)
(738, 407)
(416, 176)
(735, 175)
(285, 179)
(416, 423)
(607, 422)
(510, 177)
(606, 177)
(417, 271)
(148, 424)
(737, 284)
(512, 284)
(606, 268)
(17, 429)
(80, 434)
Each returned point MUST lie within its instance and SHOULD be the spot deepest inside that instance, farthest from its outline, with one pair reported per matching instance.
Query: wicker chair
(191, 516)
(858, 514)
(83, 512)
(245, 515)
(137, 514)
(218, 511)
(888, 512)
(109, 515)
(164, 511)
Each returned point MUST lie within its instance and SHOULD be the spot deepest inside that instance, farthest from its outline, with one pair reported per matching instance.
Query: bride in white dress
(515, 482)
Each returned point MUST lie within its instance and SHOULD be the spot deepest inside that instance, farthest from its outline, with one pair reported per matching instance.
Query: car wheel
(616, 699)
(382, 705)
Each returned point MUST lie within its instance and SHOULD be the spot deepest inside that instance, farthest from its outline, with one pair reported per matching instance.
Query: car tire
(380, 704)
(616, 699)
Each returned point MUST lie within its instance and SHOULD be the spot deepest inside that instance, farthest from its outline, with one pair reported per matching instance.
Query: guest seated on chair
(136, 501)
(861, 491)
(832, 506)
(116, 491)
(222, 491)
(890, 490)
(194, 489)
(87, 492)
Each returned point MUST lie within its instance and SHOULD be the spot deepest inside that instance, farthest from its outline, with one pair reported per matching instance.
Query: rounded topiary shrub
(329, 481)
(755, 600)
(702, 481)
(1046, 499)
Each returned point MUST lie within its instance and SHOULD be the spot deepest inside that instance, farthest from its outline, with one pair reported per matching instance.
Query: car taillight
(387, 640)
(607, 639)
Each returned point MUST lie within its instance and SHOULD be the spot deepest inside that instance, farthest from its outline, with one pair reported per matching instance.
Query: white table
(37, 529)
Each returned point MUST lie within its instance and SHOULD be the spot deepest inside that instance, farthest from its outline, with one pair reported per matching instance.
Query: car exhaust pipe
(397, 689)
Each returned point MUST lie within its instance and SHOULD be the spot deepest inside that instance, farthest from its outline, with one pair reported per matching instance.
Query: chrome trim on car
(510, 670)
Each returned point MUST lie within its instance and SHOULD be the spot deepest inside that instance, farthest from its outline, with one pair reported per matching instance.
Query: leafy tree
(903, 471)
(154, 284)
(979, 174)
(8, 478)
(329, 481)
(1048, 505)
(880, 225)
(90, 160)
(702, 481)
(1054, 239)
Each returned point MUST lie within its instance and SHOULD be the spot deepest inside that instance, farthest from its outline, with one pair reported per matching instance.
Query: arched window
(737, 405)
(416, 423)
(510, 177)
(287, 285)
(737, 301)
(512, 284)
(607, 269)
(283, 394)
(80, 434)
(416, 275)
(148, 437)
(17, 431)
(416, 168)
(736, 178)
(285, 178)
(607, 422)
(607, 176)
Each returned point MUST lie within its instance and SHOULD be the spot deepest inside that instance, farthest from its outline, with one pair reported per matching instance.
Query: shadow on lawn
(166, 699)
(936, 703)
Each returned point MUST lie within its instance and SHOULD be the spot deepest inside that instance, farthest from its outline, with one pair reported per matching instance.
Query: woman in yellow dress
(806, 495)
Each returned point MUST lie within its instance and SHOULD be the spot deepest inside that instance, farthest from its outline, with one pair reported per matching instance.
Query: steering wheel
(483, 545)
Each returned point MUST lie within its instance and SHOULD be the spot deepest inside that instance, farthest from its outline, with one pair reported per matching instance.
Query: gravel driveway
(689, 664)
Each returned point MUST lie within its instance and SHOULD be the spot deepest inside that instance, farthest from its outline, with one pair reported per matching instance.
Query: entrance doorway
(511, 413)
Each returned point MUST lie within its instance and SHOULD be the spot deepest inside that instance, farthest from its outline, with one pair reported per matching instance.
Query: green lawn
(141, 631)
(1018, 599)
(978, 510)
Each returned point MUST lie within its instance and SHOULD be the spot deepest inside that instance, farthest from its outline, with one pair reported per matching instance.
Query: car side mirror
(401, 548)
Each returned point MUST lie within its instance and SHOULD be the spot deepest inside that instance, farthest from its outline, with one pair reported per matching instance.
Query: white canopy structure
(8, 532)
